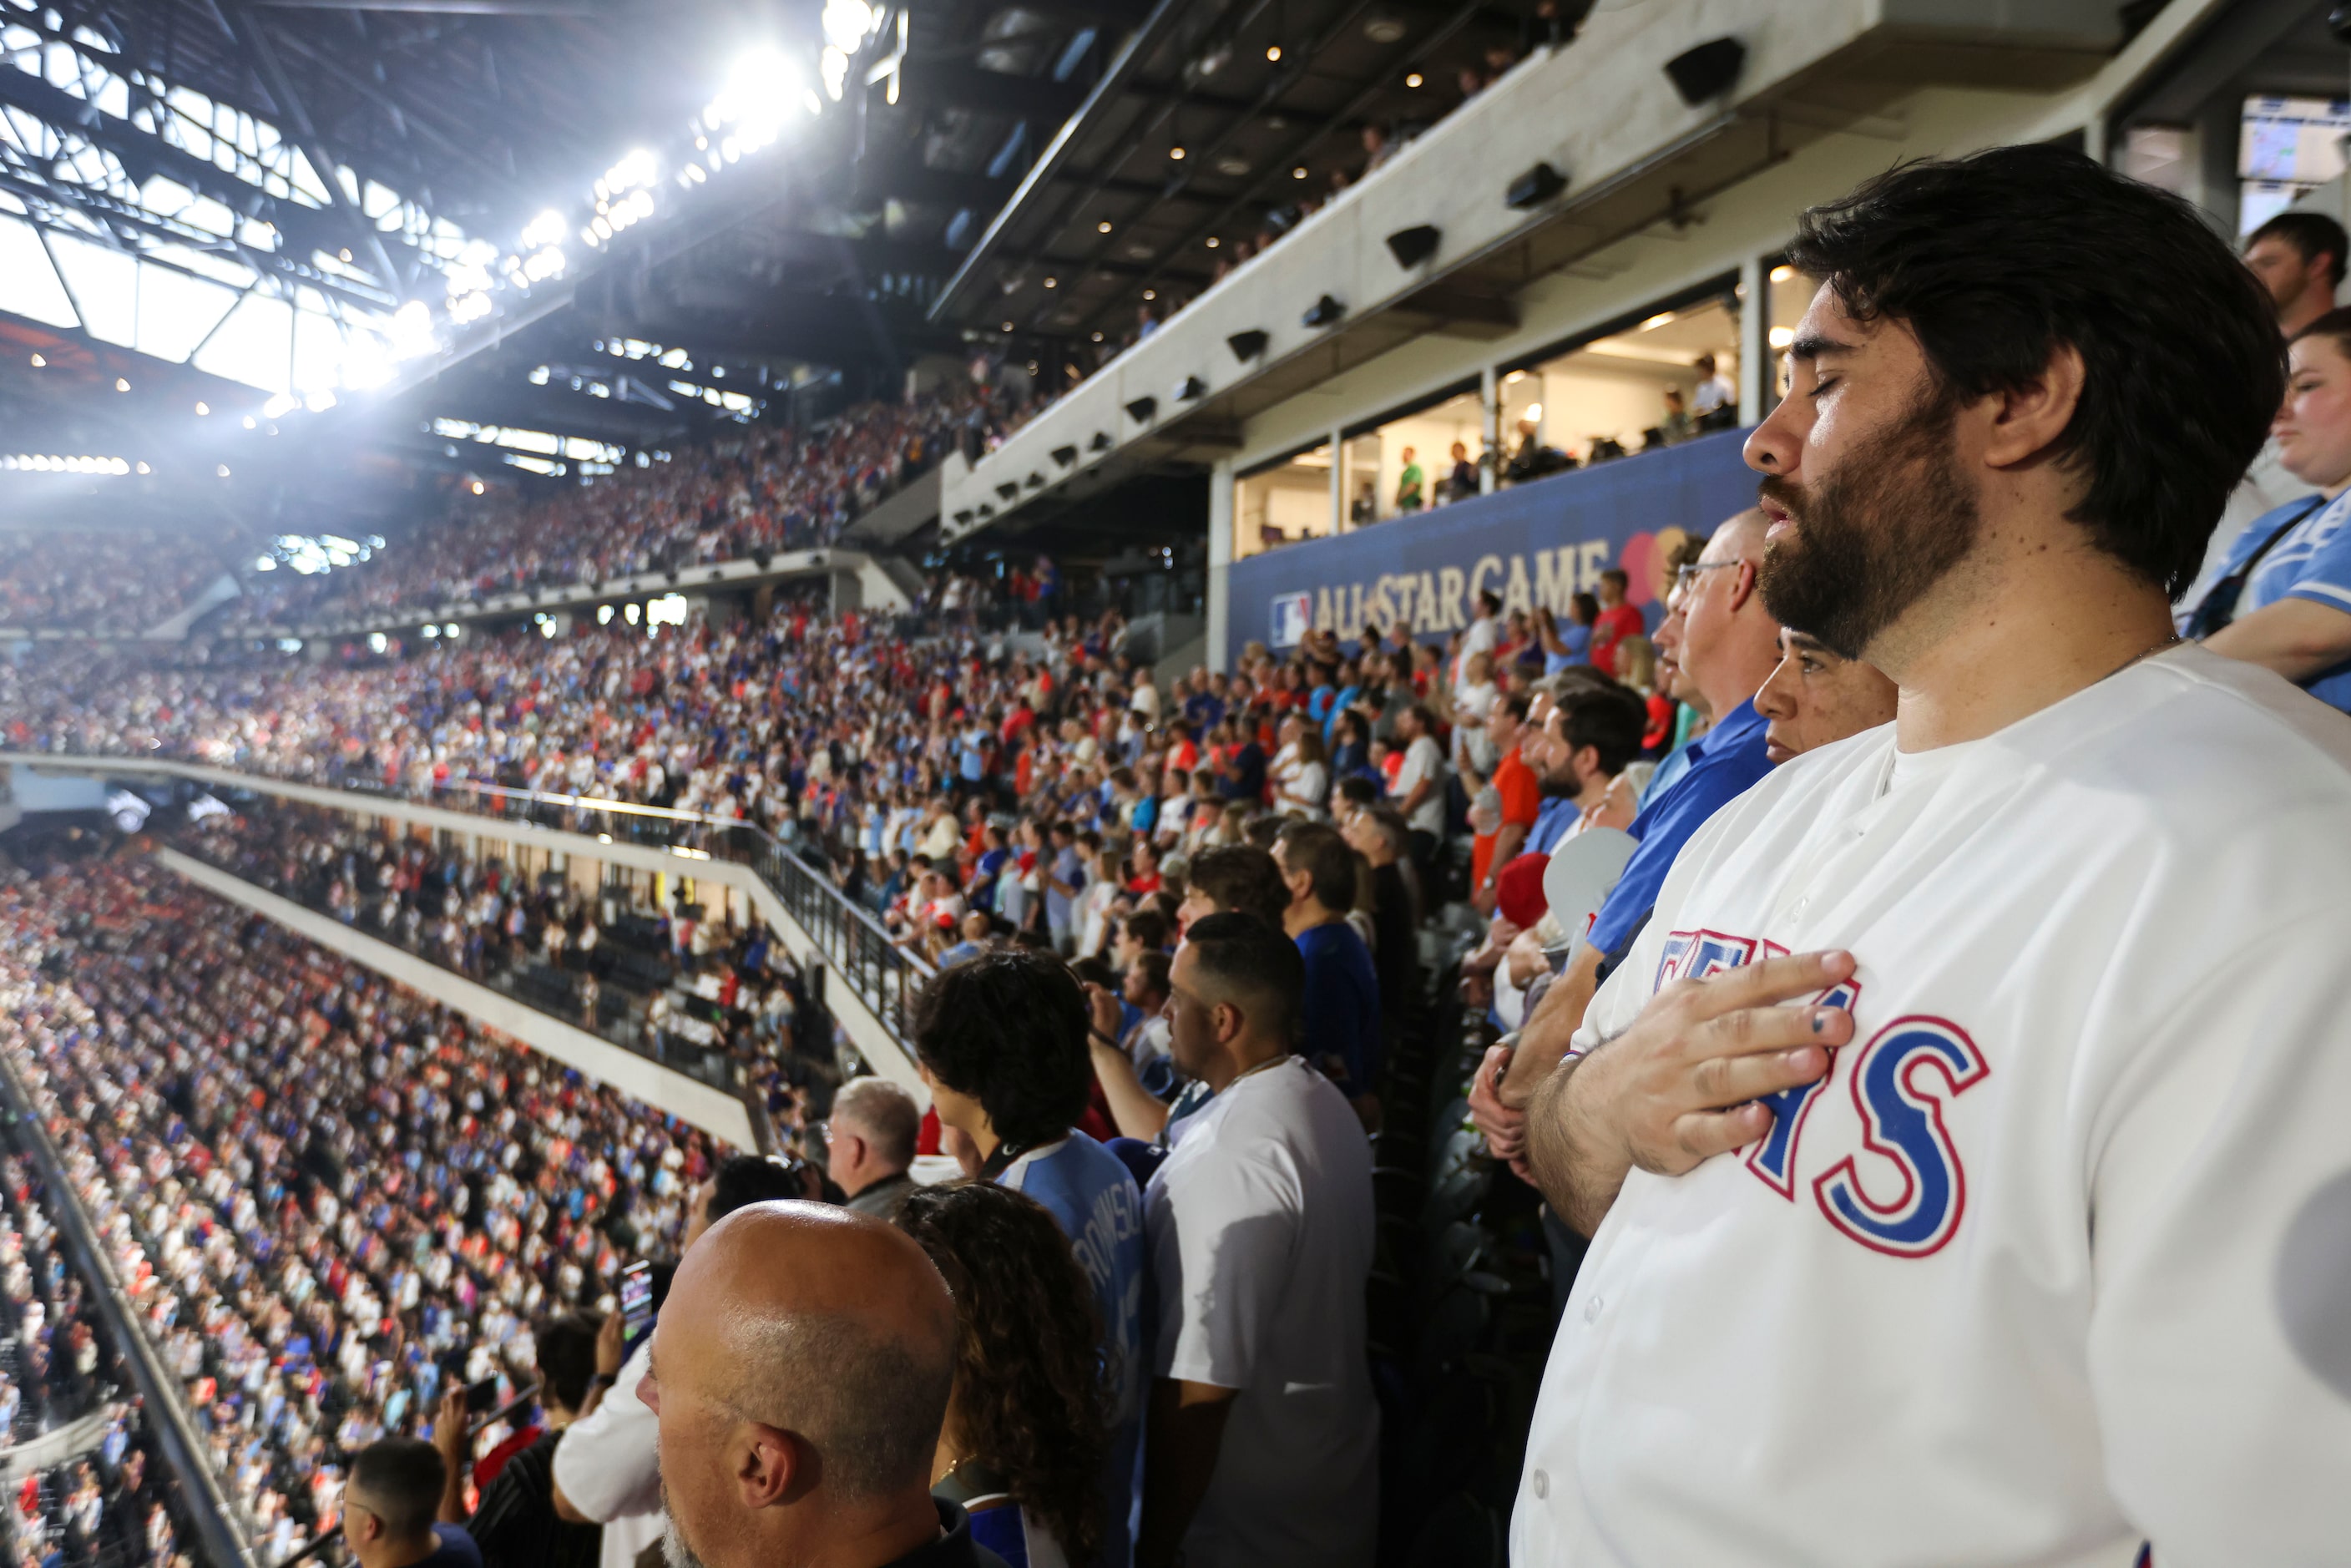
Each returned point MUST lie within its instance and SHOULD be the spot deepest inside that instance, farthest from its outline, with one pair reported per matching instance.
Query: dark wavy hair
(1009, 1029)
(1032, 1389)
(1995, 259)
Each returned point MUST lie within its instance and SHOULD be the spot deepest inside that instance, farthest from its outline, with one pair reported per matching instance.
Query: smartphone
(636, 1305)
(482, 1397)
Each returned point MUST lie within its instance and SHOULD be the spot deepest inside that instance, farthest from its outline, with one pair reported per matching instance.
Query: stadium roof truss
(157, 216)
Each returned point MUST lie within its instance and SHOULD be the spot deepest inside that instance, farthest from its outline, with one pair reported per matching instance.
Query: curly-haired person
(1027, 1422)
(1002, 1041)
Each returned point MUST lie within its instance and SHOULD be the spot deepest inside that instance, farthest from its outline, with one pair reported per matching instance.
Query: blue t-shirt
(1577, 640)
(1089, 1190)
(1342, 1006)
(2312, 561)
(1723, 762)
(1068, 867)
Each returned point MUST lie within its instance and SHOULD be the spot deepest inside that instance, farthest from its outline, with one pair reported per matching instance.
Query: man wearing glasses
(1729, 646)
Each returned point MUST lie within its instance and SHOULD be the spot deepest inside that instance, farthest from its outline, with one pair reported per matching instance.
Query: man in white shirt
(2001, 1246)
(607, 1468)
(1420, 784)
(1263, 1444)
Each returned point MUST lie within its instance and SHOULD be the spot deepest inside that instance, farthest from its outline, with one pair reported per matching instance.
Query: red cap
(1519, 891)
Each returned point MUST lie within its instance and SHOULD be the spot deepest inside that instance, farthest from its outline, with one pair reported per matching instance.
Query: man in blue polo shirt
(1728, 644)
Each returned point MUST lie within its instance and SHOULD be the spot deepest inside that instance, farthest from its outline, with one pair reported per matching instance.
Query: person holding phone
(606, 1470)
(513, 1520)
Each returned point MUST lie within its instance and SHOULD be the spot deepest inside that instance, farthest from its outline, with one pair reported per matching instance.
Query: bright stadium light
(847, 23)
(548, 228)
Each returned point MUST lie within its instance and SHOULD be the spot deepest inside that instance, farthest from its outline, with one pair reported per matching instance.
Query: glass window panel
(318, 352)
(104, 285)
(29, 286)
(253, 345)
(175, 312)
(1282, 505)
(1658, 383)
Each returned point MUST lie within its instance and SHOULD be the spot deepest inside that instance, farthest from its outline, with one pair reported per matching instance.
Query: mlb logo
(1293, 617)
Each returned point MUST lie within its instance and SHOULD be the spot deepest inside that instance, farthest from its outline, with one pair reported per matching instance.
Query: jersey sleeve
(2219, 1341)
(1222, 1259)
(2325, 576)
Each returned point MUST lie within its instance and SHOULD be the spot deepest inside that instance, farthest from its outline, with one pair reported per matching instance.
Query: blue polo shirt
(1723, 762)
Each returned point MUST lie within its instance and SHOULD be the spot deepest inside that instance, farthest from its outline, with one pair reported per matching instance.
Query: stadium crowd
(691, 991)
(328, 1200)
(114, 583)
(101, 1498)
(764, 491)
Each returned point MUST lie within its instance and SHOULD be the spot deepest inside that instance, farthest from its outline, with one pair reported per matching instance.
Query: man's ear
(772, 1465)
(2025, 421)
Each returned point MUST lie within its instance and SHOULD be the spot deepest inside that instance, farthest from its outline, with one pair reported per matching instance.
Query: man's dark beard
(1885, 526)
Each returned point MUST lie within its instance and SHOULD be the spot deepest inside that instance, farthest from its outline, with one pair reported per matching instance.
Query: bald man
(1729, 644)
(800, 1373)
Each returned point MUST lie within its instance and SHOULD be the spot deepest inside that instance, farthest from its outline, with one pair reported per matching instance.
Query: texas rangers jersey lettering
(1923, 1185)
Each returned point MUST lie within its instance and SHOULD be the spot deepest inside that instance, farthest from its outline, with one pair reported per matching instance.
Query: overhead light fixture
(1008, 489)
(39, 363)
(1324, 311)
(1534, 188)
(1102, 227)
(201, 408)
(1383, 30)
(1065, 455)
(1191, 389)
(1176, 154)
(1100, 443)
(1246, 346)
(1053, 283)
(1007, 326)
(121, 385)
(1232, 165)
(1213, 242)
(1298, 173)
(1708, 70)
(1150, 294)
(1273, 51)
(1413, 245)
(1412, 79)
(1141, 409)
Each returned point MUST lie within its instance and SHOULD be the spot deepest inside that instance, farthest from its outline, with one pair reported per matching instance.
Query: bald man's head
(800, 1374)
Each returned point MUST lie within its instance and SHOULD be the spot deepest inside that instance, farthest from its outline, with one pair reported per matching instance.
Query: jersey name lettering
(1899, 1081)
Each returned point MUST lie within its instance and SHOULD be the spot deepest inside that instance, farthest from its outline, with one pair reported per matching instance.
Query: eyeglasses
(1685, 576)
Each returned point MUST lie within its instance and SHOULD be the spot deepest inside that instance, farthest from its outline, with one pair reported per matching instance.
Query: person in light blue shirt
(2284, 596)
(1065, 878)
(1002, 1041)
(1723, 762)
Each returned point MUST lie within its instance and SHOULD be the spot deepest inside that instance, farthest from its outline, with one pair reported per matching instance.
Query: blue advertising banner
(1534, 544)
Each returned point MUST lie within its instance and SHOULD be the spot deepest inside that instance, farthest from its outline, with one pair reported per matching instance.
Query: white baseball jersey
(2056, 1263)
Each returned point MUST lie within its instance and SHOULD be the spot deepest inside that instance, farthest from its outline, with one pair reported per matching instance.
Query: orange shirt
(1522, 799)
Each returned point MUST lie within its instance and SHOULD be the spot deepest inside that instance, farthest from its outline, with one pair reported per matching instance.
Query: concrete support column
(1220, 559)
(1490, 400)
(1338, 484)
(1754, 341)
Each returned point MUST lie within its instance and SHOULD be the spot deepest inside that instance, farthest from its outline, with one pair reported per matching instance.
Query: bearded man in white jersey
(1962, 1142)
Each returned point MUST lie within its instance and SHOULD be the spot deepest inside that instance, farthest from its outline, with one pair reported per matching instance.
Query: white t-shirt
(1422, 759)
(609, 1466)
(2052, 1265)
(1260, 1230)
